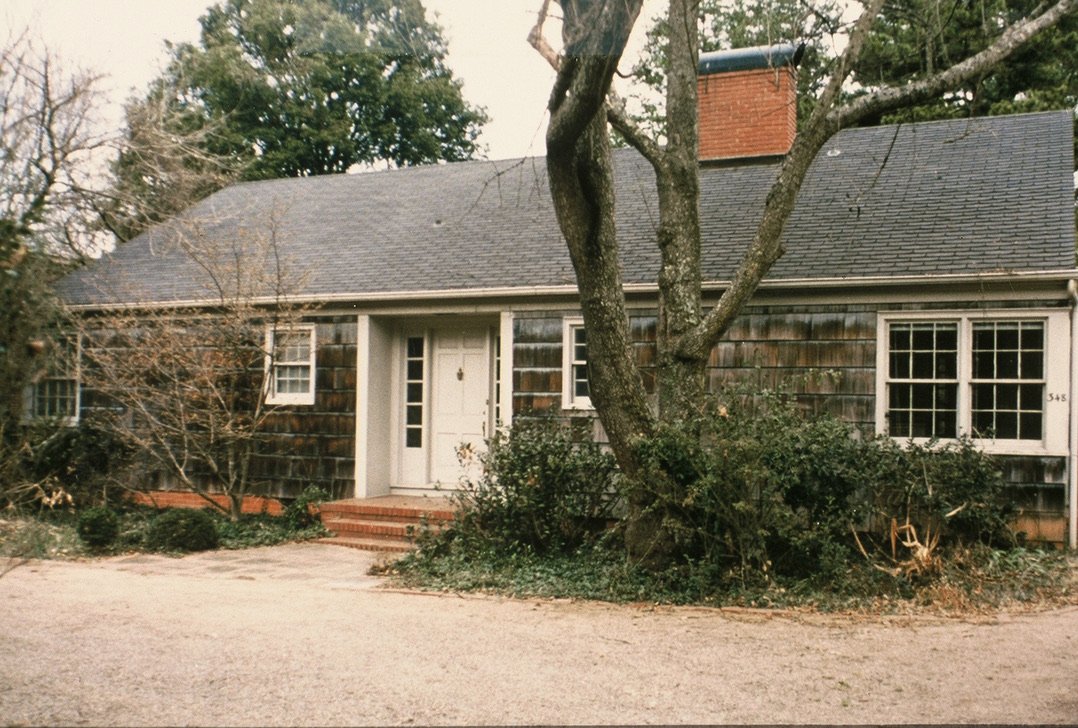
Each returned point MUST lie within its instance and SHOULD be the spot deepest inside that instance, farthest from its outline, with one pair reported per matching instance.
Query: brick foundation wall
(186, 499)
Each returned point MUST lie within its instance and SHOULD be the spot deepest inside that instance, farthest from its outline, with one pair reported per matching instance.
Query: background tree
(579, 168)
(289, 88)
(914, 37)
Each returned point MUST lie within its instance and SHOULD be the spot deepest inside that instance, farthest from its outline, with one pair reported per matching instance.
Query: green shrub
(954, 490)
(182, 529)
(298, 513)
(98, 527)
(761, 489)
(757, 488)
(540, 490)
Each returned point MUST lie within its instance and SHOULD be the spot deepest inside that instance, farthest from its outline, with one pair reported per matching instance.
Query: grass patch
(52, 535)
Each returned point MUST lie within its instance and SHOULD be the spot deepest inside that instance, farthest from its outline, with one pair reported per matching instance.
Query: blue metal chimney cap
(750, 59)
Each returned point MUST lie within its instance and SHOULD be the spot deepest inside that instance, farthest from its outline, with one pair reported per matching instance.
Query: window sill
(993, 447)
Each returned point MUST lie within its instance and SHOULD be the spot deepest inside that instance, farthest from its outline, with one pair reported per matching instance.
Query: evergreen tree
(914, 37)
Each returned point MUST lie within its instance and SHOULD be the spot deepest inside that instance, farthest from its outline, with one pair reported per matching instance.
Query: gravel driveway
(298, 634)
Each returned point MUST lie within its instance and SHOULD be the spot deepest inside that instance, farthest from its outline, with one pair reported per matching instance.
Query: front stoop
(387, 523)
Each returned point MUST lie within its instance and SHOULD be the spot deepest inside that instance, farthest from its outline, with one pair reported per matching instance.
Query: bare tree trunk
(581, 182)
(680, 376)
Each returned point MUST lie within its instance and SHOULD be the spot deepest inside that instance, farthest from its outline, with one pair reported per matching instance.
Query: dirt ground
(300, 635)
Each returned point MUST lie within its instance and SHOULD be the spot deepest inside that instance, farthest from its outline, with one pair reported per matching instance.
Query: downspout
(1072, 494)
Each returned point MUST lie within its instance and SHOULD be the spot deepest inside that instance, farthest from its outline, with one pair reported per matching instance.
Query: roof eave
(948, 279)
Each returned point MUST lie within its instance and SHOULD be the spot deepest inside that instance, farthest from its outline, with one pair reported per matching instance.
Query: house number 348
(1053, 397)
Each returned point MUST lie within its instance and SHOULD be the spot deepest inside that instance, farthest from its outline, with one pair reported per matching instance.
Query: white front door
(460, 398)
(444, 402)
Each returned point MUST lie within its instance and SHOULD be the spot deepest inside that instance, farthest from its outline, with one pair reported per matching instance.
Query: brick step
(368, 544)
(366, 527)
(381, 524)
(384, 513)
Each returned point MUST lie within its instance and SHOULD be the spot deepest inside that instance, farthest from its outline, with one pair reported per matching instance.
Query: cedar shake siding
(315, 444)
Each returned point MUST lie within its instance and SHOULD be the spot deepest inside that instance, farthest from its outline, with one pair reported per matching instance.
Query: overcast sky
(488, 51)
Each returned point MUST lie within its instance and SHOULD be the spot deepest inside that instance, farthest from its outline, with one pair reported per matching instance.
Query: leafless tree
(162, 166)
(189, 388)
(49, 150)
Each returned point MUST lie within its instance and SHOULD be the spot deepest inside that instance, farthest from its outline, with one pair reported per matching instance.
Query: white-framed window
(1000, 377)
(290, 364)
(56, 394)
(575, 388)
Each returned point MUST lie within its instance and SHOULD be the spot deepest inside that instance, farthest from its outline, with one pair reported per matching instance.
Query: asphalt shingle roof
(967, 196)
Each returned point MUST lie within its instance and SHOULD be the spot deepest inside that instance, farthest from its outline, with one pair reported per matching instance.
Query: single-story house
(930, 265)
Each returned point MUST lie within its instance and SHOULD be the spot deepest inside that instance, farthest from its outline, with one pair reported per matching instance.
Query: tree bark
(580, 171)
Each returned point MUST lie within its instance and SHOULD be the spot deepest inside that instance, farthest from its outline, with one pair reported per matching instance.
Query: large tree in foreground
(594, 34)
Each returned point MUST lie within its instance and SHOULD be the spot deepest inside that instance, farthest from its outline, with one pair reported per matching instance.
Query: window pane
(984, 365)
(1007, 365)
(946, 365)
(923, 367)
(947, 338)
(898, 423)
(1006, 425)
(1007, 396)
(413, 437)
(984, 337)
(1033, 337)
(414, 414)
(900, 365)
(923, 396)
(900, 337)
(1007, 336)
(1030, 426)
(1032, 396)
(922, 424)
(1032, 365)
(415, 391)
(945, 396)
(924, 337)
(900, 396)
(983, 424)
(415, 370)
(415, 347)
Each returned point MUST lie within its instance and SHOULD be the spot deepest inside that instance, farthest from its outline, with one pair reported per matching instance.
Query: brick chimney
(747, 102)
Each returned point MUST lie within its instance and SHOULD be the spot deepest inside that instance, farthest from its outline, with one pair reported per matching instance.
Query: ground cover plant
(768, 506)
(57, 534)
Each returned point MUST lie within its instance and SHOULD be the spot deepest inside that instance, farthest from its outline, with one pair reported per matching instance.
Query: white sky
(488, 51)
